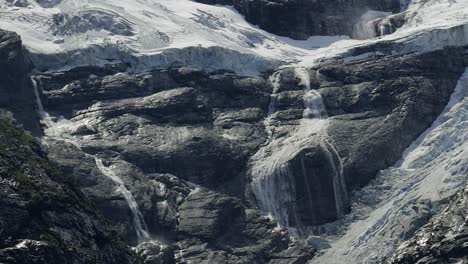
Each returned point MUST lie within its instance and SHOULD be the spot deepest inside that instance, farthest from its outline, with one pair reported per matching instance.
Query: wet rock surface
(182, 139)
(204, 127)
(218, 229)
(390, 101)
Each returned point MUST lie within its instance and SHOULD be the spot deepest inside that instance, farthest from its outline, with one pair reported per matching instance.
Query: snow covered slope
(387, 211)
(429, 25)
(158, 33)
(99, 31)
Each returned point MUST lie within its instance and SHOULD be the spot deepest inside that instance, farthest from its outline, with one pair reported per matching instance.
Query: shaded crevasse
(401, 199)
(298, 178)
(54, 130)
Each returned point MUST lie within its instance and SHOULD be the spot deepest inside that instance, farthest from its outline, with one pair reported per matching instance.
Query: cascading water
(388, 210)
(274, 80)
(54, 130)
(138, 221)
(274, 179)
(315, 109)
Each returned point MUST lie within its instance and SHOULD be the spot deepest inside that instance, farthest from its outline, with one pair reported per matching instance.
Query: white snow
(388, 209)
(432, 25)
(162, 32)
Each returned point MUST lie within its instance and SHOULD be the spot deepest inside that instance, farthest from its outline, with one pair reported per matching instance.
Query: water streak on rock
(54, 130)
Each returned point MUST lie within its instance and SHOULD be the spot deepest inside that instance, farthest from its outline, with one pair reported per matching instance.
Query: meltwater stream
(274, 179)
(393, 206)
(54, 130)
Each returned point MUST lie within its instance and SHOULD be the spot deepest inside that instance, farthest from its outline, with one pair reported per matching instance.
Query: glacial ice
(388, 210)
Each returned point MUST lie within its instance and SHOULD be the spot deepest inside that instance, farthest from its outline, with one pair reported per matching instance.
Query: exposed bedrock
(198, 126)
(205, 127)
(315, 170)
(16, 93)
(300, 19)
(390, 100)
(44, 218)
(218, 229)
(442, 240)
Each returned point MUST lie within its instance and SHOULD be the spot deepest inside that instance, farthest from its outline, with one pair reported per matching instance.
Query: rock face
(187, 156)
(43, 218)
(376, 110)
(300, 19)
(375, 97)
(443, 239)
(218, 229)
(198, 126)
(205, 127)
(16, 93)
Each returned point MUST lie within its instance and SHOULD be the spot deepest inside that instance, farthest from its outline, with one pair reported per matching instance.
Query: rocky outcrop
(442, 240)
(204, 127)
(214, 228)
(300, 19)
(16, 93)
(388, 100)
(198, 126)
(44, 219)
(376, 110)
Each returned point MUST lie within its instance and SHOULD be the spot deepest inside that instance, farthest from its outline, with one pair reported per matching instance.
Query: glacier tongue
(402, 197)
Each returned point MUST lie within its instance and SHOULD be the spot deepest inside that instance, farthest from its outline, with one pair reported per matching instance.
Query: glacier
(387, 211)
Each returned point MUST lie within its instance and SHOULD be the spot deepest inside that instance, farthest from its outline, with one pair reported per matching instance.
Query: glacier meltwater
(432, 169)
(274, 181)
(54, 130)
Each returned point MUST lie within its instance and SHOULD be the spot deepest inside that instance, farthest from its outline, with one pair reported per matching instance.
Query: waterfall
(366, 28)
(315, 109)
(274, 80)
(313, 102)
(55, 130)
(138, 221)
(387, 210)
(273, 178)
(339, 186)
(43, 115)
(274, 190)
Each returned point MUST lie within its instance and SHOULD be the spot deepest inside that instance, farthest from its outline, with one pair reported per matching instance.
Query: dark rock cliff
(300, 19)
(16, 93)
(45, 219)
(204, 127)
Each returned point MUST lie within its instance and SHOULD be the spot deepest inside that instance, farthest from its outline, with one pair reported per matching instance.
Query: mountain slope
(202, 138)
